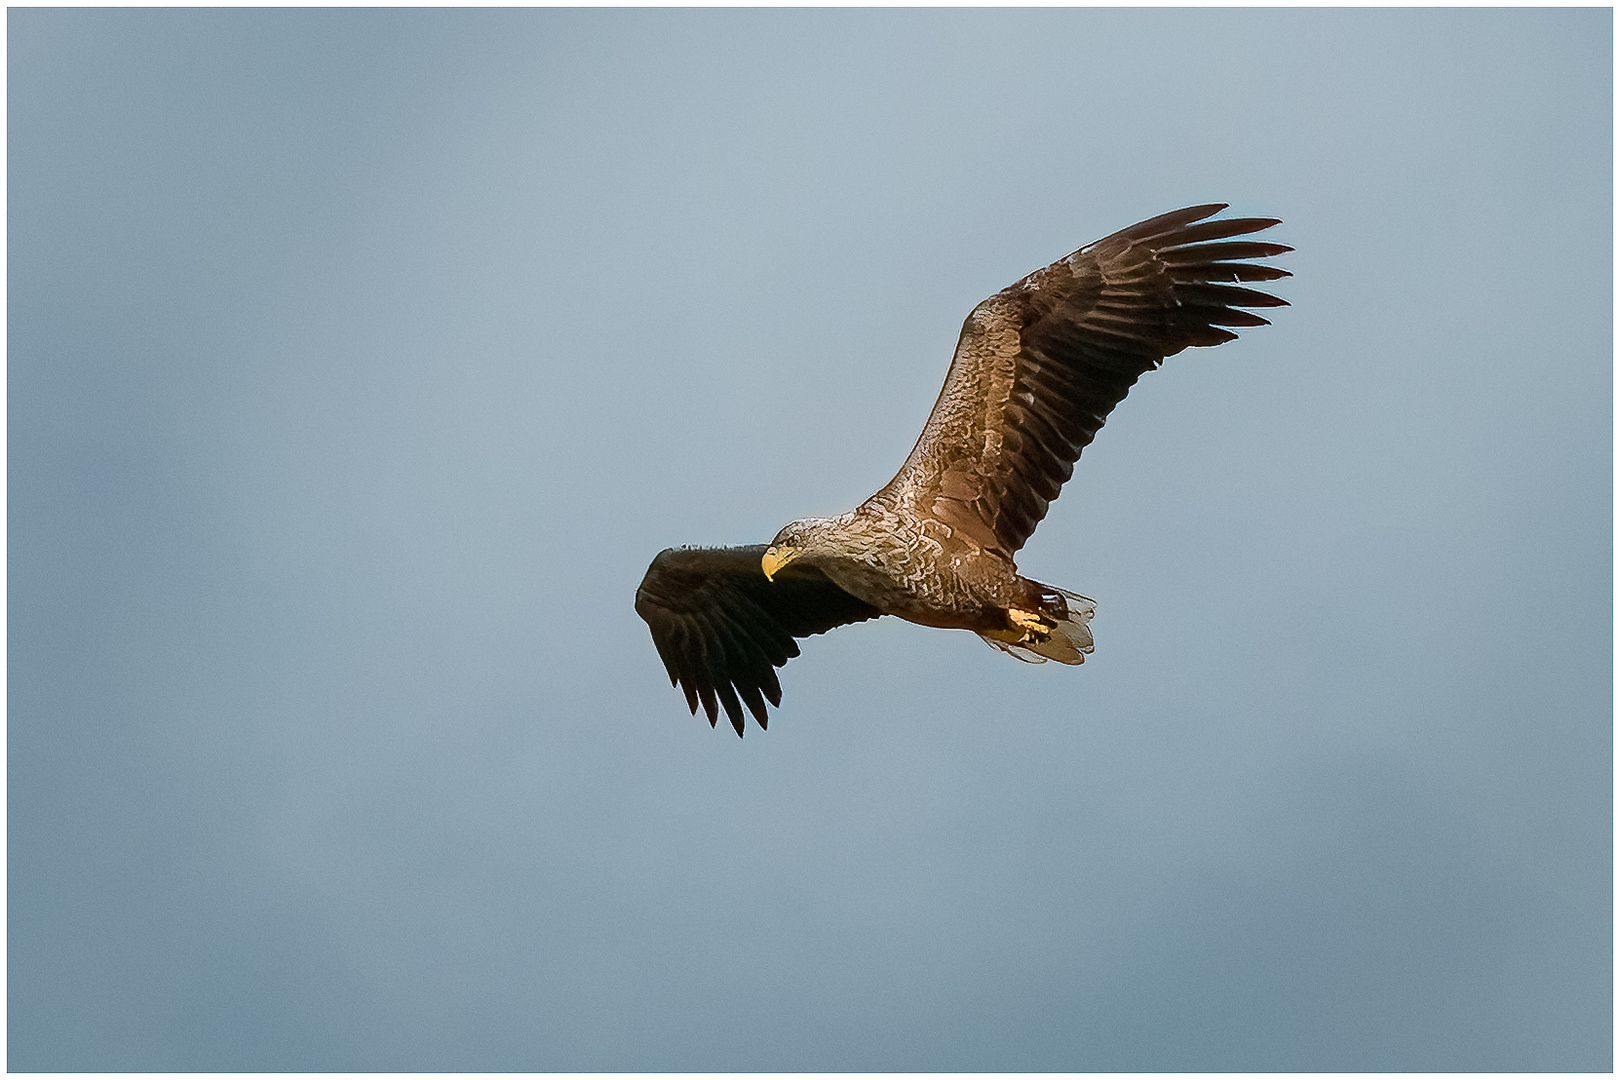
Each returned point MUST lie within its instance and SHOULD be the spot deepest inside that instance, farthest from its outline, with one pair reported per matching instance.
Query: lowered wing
(722, 629)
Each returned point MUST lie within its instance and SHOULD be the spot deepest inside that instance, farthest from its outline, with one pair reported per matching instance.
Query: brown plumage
(1037, 370)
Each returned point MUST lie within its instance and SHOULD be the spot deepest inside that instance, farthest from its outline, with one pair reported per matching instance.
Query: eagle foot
(1032, 627)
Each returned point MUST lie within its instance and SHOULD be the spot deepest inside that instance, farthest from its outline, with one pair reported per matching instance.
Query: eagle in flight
(1037, 370)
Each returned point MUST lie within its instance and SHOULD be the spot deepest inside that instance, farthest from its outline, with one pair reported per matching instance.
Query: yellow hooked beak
(775, 558)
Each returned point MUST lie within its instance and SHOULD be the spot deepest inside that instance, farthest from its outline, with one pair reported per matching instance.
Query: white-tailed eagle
(1038, 368)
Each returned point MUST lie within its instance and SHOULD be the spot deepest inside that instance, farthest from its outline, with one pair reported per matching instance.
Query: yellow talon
(1028, 620)
(1029, 626)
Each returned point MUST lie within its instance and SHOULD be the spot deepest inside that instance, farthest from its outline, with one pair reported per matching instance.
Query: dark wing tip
(1203, 259)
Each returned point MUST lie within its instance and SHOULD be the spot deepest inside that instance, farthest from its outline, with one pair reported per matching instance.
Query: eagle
(1038, 368)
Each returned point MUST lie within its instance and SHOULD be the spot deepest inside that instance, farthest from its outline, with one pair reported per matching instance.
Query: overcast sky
(360, 361)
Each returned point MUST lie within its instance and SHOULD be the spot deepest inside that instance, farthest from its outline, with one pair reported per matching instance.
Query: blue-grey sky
(359, 362)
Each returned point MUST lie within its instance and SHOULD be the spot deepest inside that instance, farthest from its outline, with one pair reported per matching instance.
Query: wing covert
(722, 629)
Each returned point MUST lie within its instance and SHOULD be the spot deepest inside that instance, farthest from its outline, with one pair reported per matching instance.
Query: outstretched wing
(722, 628)
(1041, 364)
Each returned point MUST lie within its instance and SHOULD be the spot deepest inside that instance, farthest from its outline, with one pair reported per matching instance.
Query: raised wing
(1041, 364)
(721, 628)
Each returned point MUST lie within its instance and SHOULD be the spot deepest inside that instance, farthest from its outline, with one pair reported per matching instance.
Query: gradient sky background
(360, 361)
